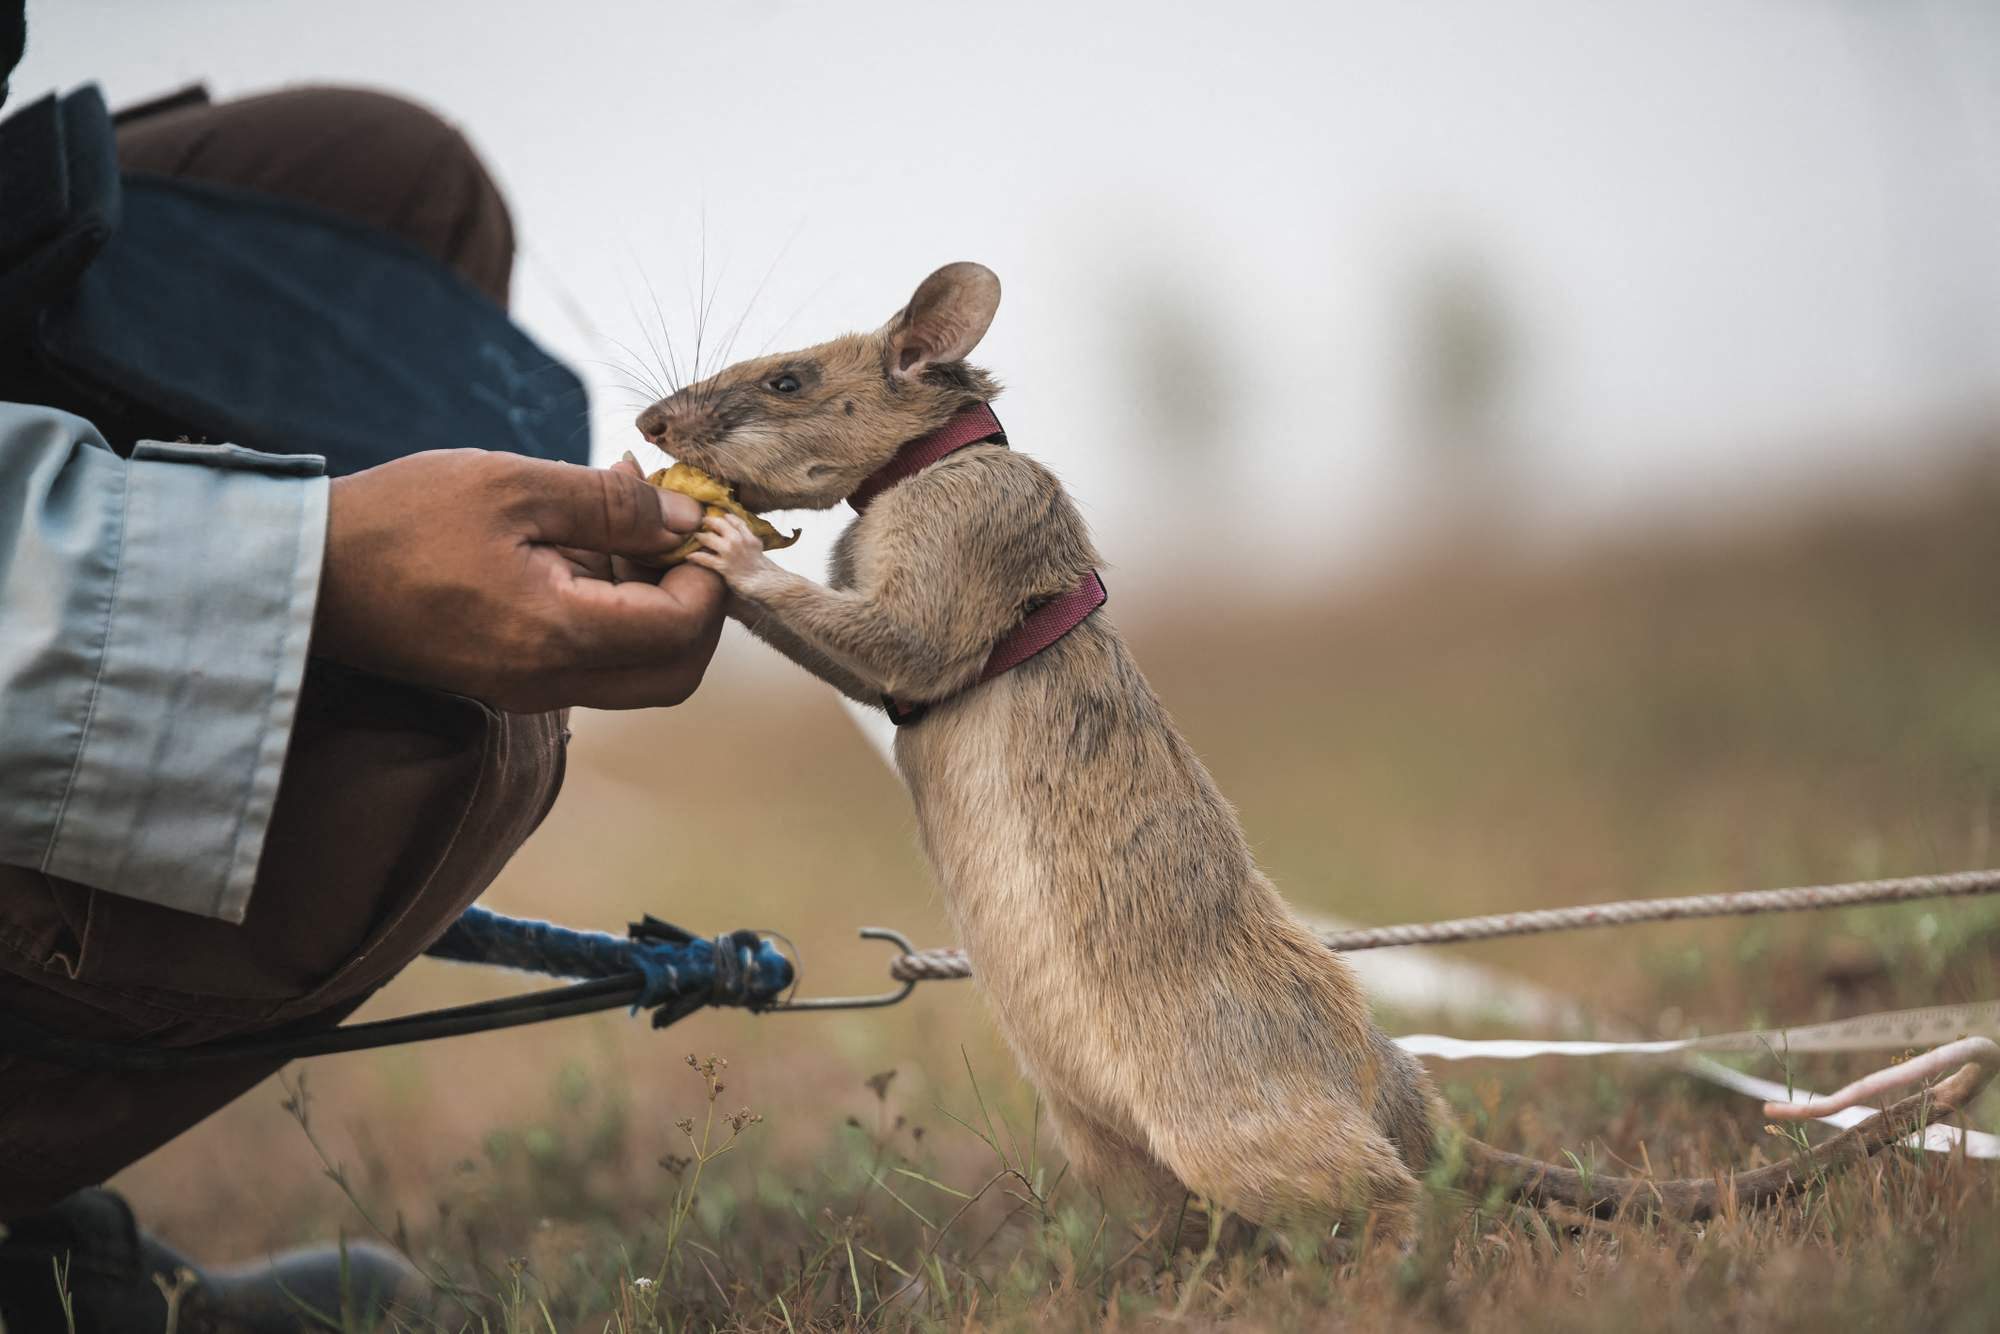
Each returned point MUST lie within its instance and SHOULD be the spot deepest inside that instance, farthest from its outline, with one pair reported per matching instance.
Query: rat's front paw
(730, 549)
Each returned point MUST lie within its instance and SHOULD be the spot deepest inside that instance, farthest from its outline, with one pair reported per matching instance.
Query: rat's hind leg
(1105, 1160)
(1312, 1165)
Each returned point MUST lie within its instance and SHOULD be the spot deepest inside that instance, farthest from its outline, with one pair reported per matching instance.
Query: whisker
(572, 310)
(638, 365)
(671, 369)
(616, 362)
(623, 367)
(647, 397)
(655, 363)
(545, 368)
(736, 331)
(566, 300)
(706, 306)
(815, 295)
(701, 295)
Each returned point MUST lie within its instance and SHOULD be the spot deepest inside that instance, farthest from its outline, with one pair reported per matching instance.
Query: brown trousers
(398, 804)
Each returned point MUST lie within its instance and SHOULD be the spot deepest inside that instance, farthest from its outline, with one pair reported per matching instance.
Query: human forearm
(155, 616)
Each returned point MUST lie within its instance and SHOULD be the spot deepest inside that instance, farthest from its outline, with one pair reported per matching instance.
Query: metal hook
(896, 938)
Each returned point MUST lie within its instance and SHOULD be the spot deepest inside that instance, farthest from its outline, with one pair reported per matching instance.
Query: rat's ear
(943, 322)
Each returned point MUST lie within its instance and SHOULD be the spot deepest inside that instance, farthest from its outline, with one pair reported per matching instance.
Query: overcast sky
(1731, 246)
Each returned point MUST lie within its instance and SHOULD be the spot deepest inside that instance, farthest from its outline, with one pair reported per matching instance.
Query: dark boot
(113, 1277)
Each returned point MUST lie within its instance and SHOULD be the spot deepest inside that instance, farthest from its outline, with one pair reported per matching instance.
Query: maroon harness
(1046, 622)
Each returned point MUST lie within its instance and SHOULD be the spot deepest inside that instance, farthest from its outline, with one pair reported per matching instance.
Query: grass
(1814, 701)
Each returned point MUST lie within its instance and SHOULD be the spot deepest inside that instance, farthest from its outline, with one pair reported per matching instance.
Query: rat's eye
(784, 384)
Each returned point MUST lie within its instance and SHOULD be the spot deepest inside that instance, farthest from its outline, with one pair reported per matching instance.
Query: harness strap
(1041, 628)
(1046, 622)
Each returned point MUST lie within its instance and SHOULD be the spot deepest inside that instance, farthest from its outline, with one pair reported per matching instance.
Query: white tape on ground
(1890, 1031)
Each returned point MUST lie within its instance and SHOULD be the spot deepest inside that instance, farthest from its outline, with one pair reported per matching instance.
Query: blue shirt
(154, 620)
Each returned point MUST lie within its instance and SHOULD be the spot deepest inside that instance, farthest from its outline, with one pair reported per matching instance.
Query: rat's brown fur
(1187, 1031)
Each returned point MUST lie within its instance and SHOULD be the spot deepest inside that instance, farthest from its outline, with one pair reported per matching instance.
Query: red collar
(970, 425)
(1045, 623)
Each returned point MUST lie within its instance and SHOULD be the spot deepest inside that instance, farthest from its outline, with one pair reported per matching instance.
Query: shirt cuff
(205, 644)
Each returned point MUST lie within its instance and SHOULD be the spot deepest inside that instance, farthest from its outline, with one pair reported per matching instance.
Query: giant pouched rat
(1187, 1031)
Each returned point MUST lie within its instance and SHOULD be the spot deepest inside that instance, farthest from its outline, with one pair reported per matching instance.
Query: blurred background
(1545, 267)
(1543, 452)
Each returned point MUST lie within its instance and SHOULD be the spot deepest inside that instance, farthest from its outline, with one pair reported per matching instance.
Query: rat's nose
(652, 423)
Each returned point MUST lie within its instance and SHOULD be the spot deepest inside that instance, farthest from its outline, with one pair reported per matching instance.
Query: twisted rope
(947, 964)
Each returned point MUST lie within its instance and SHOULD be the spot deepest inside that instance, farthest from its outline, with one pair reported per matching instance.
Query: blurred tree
(1933, 192)
(1463, 358)
(1183, 388)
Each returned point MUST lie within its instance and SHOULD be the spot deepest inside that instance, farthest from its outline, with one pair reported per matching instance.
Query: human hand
(489, 574)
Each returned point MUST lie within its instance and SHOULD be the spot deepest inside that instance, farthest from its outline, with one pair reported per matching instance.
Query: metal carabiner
(896, 938)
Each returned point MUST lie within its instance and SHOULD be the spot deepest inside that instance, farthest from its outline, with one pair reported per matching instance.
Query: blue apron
(160, 308)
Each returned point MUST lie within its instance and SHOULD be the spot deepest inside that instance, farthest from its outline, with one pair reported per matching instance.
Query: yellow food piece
(714, 496)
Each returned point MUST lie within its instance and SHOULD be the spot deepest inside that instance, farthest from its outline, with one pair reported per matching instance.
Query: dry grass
(1667, 717)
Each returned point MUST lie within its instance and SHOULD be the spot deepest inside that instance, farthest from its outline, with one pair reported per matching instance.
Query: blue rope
(683, 972)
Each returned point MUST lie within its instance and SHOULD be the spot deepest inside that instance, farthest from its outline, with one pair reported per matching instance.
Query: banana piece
(714, 496)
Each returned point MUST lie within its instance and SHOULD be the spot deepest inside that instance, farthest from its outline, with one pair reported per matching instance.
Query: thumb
(623, 568)
(605, 509)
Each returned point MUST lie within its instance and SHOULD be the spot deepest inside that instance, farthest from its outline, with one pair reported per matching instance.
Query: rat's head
(803, 429)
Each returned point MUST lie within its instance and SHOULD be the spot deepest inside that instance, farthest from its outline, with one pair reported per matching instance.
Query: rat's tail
(1535, 1182)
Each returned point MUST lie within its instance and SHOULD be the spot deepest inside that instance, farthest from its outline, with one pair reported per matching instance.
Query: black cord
(606, 993)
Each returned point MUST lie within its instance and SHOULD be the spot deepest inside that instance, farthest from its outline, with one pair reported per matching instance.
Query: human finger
(603, 509)
(638, 623)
